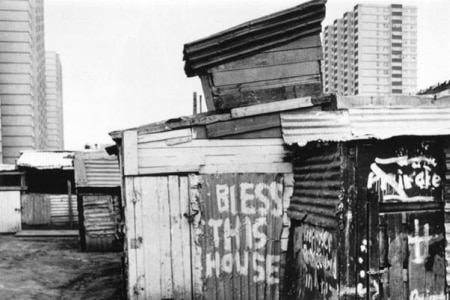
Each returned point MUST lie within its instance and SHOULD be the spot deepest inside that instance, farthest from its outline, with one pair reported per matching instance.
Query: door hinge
(136, 243)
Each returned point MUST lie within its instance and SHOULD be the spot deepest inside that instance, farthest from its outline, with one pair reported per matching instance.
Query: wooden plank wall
(286, 72)
(158, 237)
(101, 215)
(159, 154)
(36, 209)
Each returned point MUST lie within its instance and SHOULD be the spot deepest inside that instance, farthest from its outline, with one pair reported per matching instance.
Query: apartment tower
(22, 77)
(54, 103)
(371, 51)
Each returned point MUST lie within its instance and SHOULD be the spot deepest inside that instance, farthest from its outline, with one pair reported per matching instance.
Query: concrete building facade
(371, 51)
(54, 102)
(22, 82)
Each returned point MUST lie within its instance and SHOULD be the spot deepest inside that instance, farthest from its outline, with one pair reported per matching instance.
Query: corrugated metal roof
(46, 160)
(97, 169)
(255, 36)
(364, 123)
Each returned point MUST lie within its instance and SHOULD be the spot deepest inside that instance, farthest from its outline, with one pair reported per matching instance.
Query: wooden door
(158, 237)
(401, 247)
(10, 220)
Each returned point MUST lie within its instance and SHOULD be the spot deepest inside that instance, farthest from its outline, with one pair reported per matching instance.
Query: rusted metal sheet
(255, 36)
(317, 186)
(357, 124)
(241, 225)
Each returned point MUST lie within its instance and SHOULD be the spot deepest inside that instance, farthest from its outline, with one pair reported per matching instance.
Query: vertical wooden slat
(185, 239)
(197, 234)
(140, 198)
(130, 152)
(10, 210)
(396, 255)
(176, 216)
(151, 238)
(165, 237)
(130, 234)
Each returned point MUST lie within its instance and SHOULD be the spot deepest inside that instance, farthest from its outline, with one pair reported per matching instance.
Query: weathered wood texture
(241, 224)
(156, 155)
(10, 211)
(49, 210)
(158, 237)
(36, 209)
(251, 38)
(287, 72)
(101, 218)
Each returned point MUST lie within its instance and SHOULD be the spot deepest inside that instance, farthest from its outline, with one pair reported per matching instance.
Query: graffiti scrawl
(405, 177)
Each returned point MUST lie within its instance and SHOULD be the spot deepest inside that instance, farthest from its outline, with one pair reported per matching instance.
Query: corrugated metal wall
(101, 215)
(61, 212)
(317, 186)
(103, 172)
(240, 236)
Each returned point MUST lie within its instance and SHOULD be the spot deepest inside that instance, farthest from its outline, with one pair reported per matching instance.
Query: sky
(123, 64)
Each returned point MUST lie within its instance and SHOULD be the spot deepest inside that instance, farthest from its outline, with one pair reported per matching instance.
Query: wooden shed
(368, 206)
(11, 186)
(98, 181)
(273, 58)
(205, 200)
(48, 201)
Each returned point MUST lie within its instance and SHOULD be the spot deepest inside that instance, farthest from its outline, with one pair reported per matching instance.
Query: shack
(49, 201)
(11, 186)
(368, 206)
(205, 196)
(98, 181)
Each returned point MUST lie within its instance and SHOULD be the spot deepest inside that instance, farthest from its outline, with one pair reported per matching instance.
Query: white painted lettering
(247, 198)
(222, 194)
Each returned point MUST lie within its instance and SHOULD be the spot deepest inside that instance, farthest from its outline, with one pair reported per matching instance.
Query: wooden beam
(246, 168)
(206, 85)
(272, 58)
(266, 73)
(247, 124)
(271, 107)
(130, 152)
(80, 170)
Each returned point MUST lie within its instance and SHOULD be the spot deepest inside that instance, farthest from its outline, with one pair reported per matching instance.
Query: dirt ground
(54, 269)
